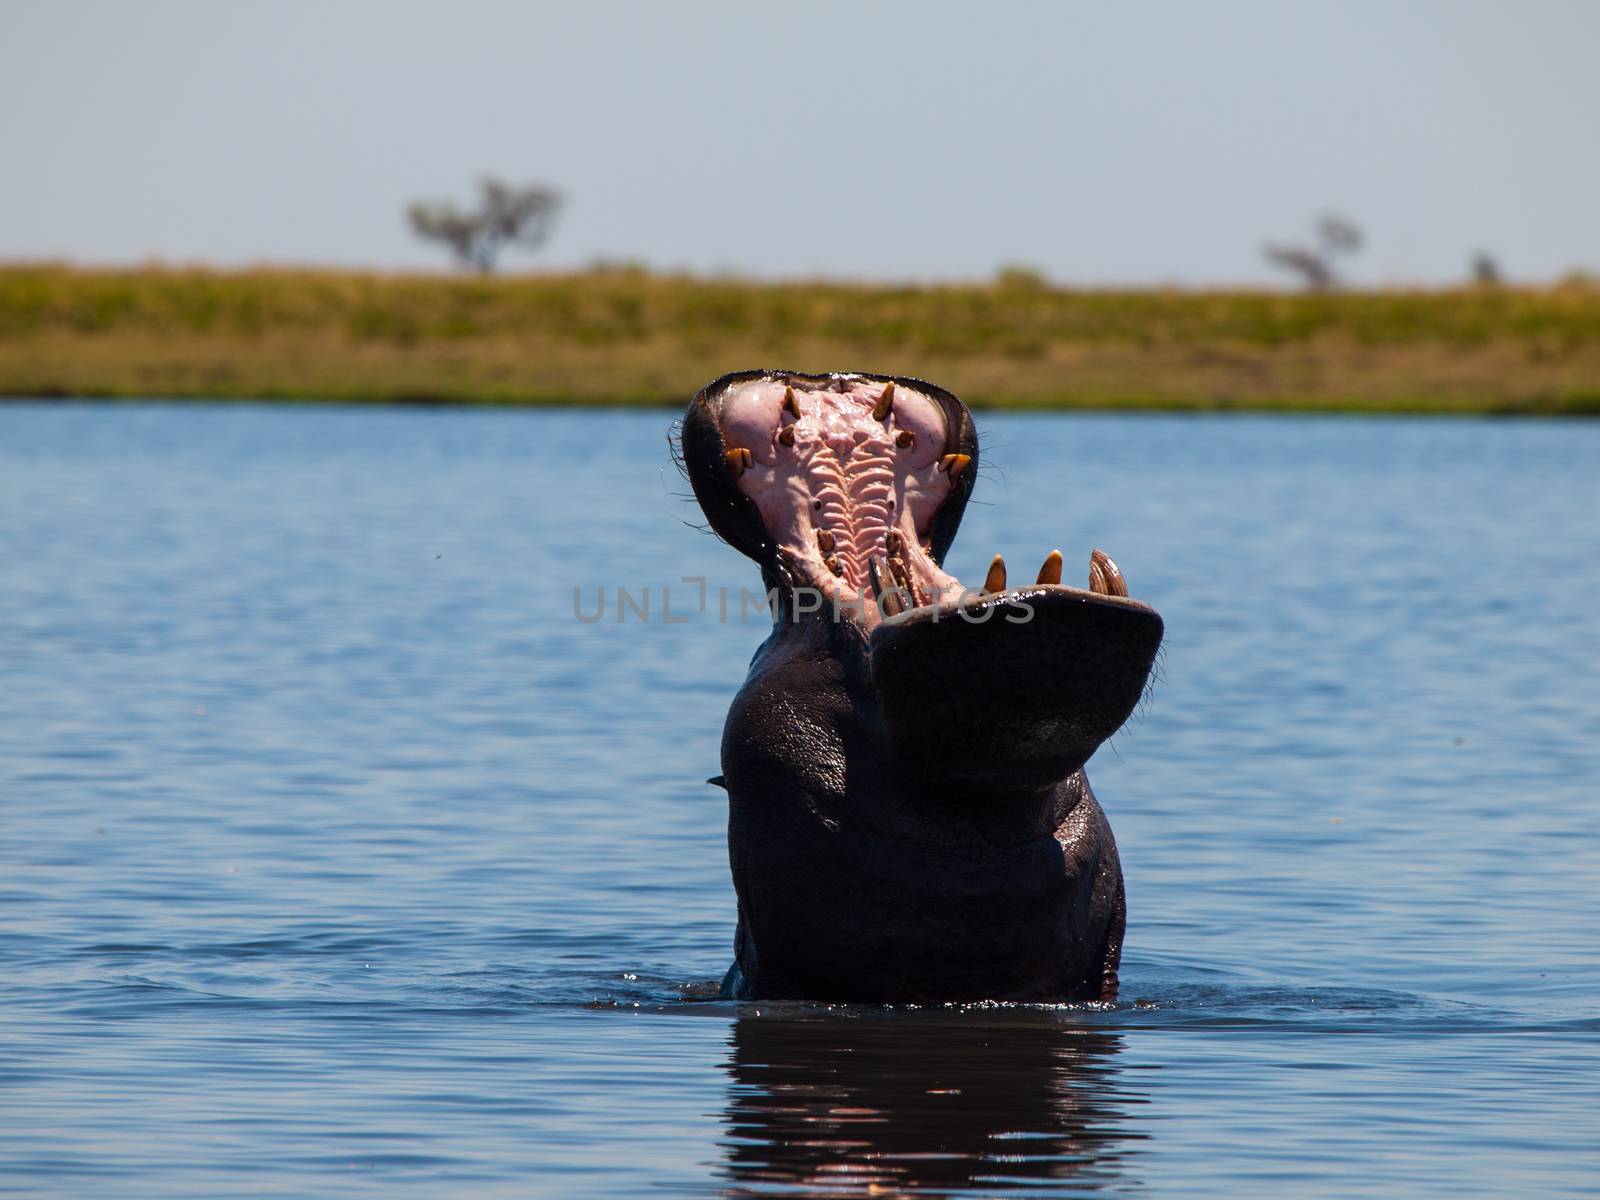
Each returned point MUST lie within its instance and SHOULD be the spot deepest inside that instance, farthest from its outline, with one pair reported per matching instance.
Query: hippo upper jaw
(846, 489)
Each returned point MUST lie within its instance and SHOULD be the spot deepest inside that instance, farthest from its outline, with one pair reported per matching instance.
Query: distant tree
(1336, 236)
(1485, 270)
(1312, 268)
(505, 216)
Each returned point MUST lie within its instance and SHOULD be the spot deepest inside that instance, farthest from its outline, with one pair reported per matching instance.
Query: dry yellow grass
(634, 338)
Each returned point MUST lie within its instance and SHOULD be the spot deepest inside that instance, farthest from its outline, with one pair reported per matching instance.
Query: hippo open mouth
(857, 484)
(895, 714)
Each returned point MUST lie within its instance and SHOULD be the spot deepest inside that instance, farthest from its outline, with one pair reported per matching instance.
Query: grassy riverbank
(621, 337)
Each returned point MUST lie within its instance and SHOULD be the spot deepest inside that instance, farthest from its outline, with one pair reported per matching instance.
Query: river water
(337, 856)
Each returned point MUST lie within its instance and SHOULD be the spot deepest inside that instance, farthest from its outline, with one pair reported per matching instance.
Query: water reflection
(924, 1104)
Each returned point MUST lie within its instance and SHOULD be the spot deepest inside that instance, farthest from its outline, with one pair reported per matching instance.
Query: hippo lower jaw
(1012, 690)
(908, 817)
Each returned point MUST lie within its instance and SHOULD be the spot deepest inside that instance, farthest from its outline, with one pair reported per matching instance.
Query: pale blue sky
(1135, 142)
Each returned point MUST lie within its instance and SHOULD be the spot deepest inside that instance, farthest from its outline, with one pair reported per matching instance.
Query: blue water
(338, 857)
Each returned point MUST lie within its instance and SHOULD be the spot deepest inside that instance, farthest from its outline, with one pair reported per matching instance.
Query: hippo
(908, 816)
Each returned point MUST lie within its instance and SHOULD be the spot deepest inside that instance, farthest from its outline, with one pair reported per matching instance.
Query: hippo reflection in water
(930, 1103)
(909, 820)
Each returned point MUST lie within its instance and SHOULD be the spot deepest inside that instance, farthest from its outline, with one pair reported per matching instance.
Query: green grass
(620, 337)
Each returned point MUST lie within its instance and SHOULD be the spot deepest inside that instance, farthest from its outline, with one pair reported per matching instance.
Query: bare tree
(1312, 268)
(1314, 264)
(506, 216)
(1485, 270)
(1338, 235)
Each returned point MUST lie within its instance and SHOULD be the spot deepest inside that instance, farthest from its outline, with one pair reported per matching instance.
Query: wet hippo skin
(909, 820)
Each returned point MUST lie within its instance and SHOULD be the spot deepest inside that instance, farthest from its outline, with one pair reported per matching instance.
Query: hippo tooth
(954, 463)
(995, 580)
(903, 438)
(880, 410)
(786, 435)
(876, 576)
(825, 540)
(1104, 576)
(834, 565)
(889, 600)
(892, 541)
(790, 404)
(738, 461)
(1051, 571)
(901, 576)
